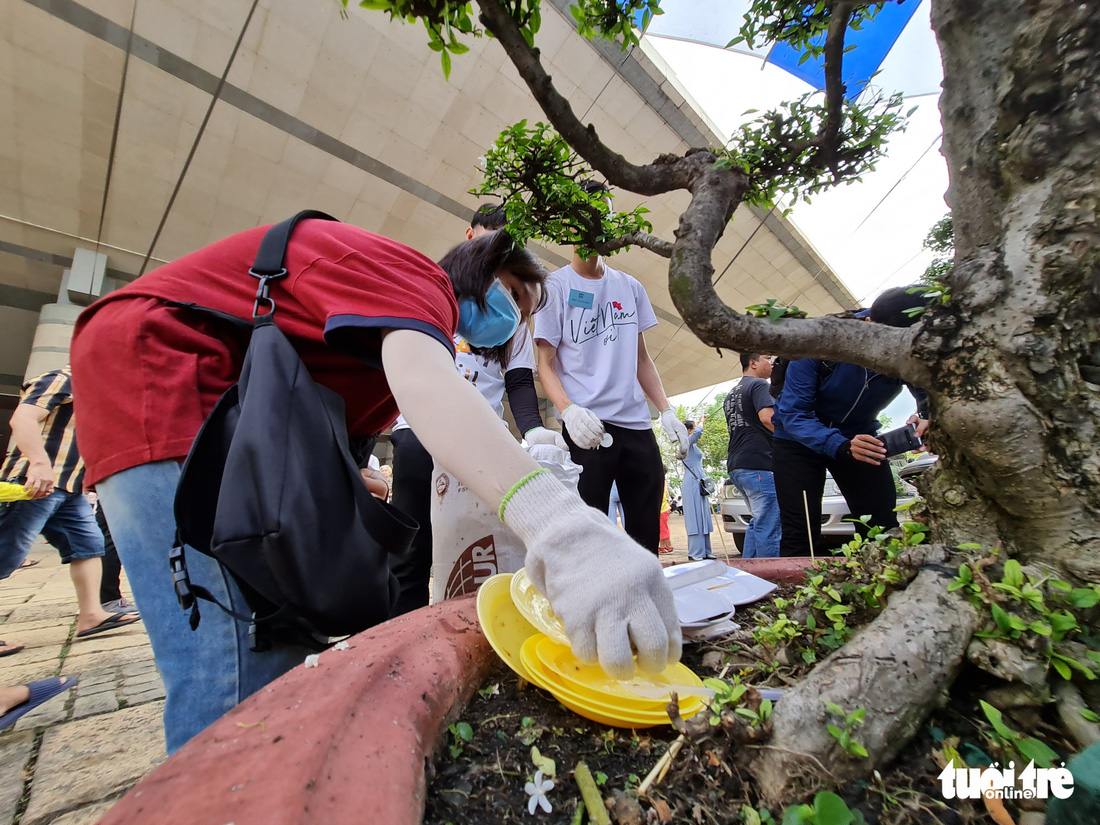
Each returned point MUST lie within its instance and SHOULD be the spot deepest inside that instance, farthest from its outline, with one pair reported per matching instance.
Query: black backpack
(779, 373)
(271, 491)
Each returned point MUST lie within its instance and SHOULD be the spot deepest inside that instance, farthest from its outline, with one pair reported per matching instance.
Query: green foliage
(611, 19)
(751, 816)
(843, 735)
(828, 809)
(445, 21)
(773, 310)
(1031, 749)
(818, 619)
(538, 177)
(781, 150)
(1036, 614)
(461, 733)
(941, 240)
(727, 698)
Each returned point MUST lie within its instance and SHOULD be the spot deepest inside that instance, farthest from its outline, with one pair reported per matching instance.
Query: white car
(835, 530)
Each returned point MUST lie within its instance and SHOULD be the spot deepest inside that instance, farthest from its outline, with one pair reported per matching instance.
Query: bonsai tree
(1009, 352)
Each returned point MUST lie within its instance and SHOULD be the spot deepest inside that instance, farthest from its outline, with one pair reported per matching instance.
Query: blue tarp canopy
(898, 43)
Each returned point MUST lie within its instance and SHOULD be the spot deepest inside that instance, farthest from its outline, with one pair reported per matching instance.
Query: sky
(870, 232)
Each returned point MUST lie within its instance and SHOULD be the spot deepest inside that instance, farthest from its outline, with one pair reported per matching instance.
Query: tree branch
(654, 244)
(834, 83)
(652, 179)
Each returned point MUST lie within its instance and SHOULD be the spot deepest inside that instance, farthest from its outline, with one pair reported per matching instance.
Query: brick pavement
(66, 762)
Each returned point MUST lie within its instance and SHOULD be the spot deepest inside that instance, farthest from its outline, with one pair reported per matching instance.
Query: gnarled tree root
(897, 668)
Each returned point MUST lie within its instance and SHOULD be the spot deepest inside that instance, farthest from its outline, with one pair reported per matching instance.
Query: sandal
(41, 692)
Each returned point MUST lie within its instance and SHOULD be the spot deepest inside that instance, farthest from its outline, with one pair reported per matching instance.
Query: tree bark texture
(898, 669)
(1017, 423)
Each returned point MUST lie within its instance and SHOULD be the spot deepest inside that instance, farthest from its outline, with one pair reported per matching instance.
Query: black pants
(869, 490)
(634, 462)
(412, 495)
(110, 585)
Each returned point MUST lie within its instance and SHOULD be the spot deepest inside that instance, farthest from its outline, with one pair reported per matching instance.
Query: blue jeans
(65, 519)
(764, 531)
(207, 671)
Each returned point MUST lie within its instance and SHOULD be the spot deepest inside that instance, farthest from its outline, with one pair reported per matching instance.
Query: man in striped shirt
(45, 460)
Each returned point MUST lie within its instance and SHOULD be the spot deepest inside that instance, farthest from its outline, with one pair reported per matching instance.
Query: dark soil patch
(481, 782)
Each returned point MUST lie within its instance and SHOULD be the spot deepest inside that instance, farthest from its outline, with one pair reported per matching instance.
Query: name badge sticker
(580, 299)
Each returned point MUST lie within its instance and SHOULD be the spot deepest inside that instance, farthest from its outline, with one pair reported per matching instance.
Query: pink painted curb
(790, 570)
(344, 742)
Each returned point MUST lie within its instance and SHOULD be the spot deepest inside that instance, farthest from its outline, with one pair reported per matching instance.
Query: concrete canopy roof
(351, 116)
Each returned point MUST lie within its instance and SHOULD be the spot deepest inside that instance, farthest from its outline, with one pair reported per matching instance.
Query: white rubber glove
(585, 427)
(541, 435)
(608, 591)
(675, 431)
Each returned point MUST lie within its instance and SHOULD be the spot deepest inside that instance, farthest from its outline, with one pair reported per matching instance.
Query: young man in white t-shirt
(595, 368)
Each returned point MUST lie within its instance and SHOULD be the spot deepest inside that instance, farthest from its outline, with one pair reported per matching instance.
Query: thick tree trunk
(897, 669)
(1008, 358)
(1017, 423)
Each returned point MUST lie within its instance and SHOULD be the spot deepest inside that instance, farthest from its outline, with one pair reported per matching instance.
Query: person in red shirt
(374, 321)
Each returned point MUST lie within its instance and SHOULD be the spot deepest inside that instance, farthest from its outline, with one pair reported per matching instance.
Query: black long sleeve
(520, 386)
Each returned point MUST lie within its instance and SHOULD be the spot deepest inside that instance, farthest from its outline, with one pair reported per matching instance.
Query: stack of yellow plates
(543, 660)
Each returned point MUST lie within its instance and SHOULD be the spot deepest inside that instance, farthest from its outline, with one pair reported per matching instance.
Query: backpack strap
(270, 261)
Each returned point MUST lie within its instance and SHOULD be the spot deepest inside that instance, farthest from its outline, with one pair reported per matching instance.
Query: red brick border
(340, 743)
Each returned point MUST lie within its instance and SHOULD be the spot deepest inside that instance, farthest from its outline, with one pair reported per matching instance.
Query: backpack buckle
(264, 289)
(180, 580)
(258, 640)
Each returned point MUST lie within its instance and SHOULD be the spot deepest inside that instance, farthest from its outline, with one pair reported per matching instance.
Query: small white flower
(340, 646)
(313, 660)
(537, 790)
(481, 162)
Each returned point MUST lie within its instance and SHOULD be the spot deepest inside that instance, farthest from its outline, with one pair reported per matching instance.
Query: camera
(899, 441)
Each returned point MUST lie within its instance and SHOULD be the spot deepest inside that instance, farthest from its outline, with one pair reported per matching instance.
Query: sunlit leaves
(538, 177)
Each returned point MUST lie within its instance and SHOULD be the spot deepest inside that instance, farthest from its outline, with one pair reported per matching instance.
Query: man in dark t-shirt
(748, 409)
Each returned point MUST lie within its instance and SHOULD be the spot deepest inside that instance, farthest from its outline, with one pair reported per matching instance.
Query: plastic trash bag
(469, 542)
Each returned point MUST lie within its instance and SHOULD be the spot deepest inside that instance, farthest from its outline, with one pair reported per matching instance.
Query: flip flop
(41, 692)
(28, 563)
(11, 649)
(112, 622)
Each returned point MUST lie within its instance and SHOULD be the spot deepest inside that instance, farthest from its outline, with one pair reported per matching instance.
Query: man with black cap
(826, 418)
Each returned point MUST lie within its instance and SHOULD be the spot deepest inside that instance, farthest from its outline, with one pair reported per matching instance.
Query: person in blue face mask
(494, 352)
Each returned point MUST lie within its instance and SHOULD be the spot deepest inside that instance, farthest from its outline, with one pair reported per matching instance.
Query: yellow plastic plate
(536, 608)
(591, 679)
(606, 712)
(12, 492)
(503, 625)
(590, 682)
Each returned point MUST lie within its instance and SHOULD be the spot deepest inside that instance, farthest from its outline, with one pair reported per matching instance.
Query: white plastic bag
(469, 542)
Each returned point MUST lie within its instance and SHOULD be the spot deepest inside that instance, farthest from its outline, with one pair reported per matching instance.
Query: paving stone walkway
(69, 760)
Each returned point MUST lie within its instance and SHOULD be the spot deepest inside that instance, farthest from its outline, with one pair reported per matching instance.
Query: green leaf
(830, 809)
(1084, 597)
(463, 731)
(445, 59)
(1001, 618)
(997, 720)
(1037, 752)
(798, 814)
(858, 750)
(1062, 668)
(1089, 715)
(969, 546)
(1014, 574)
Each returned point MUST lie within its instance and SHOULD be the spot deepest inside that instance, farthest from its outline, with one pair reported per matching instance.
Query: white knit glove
(584, 426)
(675, 431)
(541, 435)
(608, 591)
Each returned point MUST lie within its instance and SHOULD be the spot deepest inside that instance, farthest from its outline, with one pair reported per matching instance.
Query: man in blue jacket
(826, 418)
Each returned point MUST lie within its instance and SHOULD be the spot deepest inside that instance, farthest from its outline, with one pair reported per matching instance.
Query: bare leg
(86, 575)
(12, 696)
